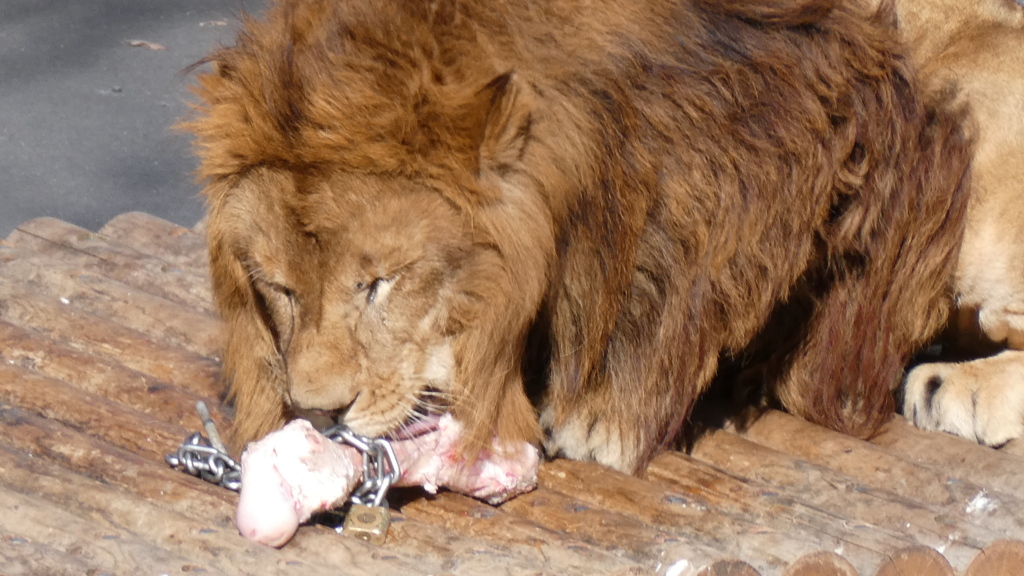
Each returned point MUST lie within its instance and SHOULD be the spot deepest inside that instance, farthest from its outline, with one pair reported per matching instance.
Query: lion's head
(361, 283)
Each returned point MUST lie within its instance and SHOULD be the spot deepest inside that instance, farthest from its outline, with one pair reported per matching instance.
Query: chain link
(380, 465)
(199, 458)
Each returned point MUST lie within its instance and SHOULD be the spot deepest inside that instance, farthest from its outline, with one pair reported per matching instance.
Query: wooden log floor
(108, 339)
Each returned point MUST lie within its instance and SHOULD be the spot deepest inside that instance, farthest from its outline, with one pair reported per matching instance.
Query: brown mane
(650, 182)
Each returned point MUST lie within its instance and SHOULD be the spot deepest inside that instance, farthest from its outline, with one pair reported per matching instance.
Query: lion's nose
(329, 393)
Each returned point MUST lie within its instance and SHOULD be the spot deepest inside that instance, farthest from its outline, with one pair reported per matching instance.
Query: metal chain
(210, 461)
(380, 465)
(199, 458)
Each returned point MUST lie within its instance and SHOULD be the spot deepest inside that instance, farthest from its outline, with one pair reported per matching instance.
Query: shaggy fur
(437, 204)
(980, 46)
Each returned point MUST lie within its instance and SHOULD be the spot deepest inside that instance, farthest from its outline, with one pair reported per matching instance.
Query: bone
(295, 472)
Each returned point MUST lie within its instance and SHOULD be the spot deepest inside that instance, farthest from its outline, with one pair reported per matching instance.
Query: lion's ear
(502, 110)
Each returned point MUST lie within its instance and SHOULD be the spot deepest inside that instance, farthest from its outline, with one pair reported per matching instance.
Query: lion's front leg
(623, 423)
(636, 396)
(981, 400)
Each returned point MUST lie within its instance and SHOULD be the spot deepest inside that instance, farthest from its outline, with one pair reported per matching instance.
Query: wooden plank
(464, 515)
(99, 417)
(1002, 558)
(465, 551)
(43, 538)
(621, 534)
(30, 351)
(21, 557)
(729, 568)
(700, 504)
(953, 455)
(101, 337)
(875, 467)
(804, 529)
(822, 564)
(843, 496)
(145, 474)
(916, 561)
(160, 238)
(156, 317)
(49, 236)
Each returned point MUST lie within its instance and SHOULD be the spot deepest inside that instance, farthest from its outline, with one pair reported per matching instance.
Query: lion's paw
(586, 438)
(981, 400)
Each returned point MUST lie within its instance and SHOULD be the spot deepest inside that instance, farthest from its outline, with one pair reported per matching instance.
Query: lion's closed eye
(277, 304)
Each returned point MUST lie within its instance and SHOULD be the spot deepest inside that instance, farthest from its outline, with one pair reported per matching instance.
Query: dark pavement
(85, 117)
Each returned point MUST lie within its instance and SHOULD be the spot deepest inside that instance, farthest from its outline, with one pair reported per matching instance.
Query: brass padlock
(368, 523)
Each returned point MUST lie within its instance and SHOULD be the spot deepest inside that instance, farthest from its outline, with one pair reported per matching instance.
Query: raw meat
(289, 475)
(432, 460)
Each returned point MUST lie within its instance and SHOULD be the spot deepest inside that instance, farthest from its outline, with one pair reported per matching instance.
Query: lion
(979, 46)
(553, 219)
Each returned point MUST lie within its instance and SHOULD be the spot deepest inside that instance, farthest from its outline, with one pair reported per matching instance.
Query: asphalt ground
(89, 92)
